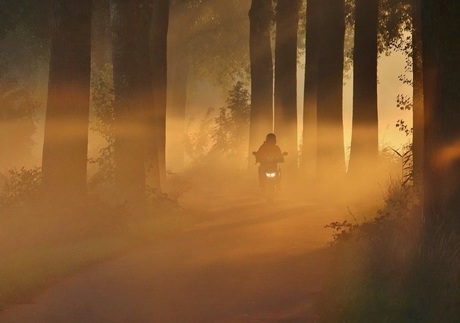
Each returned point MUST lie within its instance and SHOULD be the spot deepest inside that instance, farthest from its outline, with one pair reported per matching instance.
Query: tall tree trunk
(177, 100)
(312, 41)
(287, 19)
(261, 116)
(330, 146)
(365, 141)
(441, 72)
(128, 115)
(145, 90)
(178, 48)
(159, 69)
(101, 34)
(65, 146)
(417, 70)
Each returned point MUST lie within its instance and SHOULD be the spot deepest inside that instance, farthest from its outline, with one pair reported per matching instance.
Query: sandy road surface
(245, 262)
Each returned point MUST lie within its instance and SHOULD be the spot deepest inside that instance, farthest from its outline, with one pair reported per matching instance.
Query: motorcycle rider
(269, 153)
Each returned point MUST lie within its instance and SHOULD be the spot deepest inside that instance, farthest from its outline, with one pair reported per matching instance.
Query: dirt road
(246, 261)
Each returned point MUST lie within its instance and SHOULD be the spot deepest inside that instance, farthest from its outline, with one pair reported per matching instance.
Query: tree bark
(178, 72)
(441, 78)
(330, 146)
(101, 34)
(65, 148)
(417, 94)
(364, 143)
(158, 51)
(146, 97)
(313, 37)
(128, 113)
(287, 19)
(177, 101)
(260, 54)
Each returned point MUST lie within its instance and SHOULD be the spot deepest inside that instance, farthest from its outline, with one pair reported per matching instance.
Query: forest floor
(241, 260)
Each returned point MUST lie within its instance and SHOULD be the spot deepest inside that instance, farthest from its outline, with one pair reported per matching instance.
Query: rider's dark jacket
(269, 153)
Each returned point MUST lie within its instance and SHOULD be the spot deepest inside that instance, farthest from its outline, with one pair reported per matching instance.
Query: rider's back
(269, 153)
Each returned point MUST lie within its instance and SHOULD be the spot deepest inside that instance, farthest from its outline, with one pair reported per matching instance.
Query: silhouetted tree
(397, 19)
(222, 140)
(211, 48)
(129, 127)
(24, 58)
(230, 135)
(364, 143)
(441, 70)
(101, 53)
(145, 91)
(159, 78)
(287, 18)
(66, 124)
(312, 41)
(330, 147)
(179, 61)
(261, 116)
(417, 93)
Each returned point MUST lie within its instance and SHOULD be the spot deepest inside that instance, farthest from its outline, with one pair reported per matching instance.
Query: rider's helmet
(271, 138)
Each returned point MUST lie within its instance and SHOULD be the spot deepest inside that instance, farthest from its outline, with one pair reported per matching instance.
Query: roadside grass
(392, 268)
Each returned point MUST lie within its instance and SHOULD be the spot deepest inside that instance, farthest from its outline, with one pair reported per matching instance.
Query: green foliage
(197, 144)
(407, 162)
(403, 102)
(395, 22)
(392, 268)
(19, 186)
(232, 123)
(215, 39)
(224, 136)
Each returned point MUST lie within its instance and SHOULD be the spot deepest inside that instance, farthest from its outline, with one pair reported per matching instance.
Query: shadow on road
(242, 262)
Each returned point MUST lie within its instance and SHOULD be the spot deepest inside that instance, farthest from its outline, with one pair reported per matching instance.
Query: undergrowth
(43, 240)
(392, 268)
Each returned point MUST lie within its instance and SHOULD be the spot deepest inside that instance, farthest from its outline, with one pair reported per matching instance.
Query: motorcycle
(269, 176)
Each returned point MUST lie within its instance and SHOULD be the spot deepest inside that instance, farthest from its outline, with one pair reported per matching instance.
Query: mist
(205, 161)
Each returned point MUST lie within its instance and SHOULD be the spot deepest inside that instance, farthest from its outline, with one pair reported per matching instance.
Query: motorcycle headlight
(270, 175)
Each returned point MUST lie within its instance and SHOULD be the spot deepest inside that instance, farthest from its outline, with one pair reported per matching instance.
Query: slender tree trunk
(287, 19)
(178, 48)
(441, 83)
(145, 90)
(159, 69)
(128, 114)
(313, 37)
(417, 69)
(261, 116)
(101, 34)
(65, 146)
(330, 147)
(177, 101)
(364, 143)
